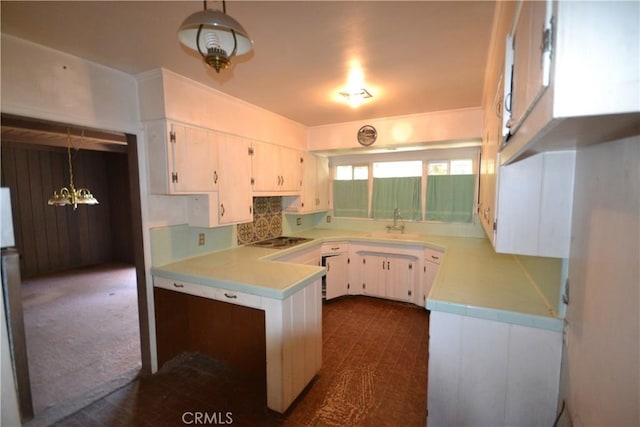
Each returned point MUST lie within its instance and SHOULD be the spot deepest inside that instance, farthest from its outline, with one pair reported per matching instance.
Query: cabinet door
(308, 195)
(430, 271)
(337, 275)
(288, 170)
(314, 194)
(372, 275)
(263, 167)
(399, 275)
(234, 184)
(489, 162)
(534, 205)
(531, 63)
(322, 183)
(193, 158)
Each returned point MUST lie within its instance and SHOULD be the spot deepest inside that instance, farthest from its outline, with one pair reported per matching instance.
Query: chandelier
(71, 196)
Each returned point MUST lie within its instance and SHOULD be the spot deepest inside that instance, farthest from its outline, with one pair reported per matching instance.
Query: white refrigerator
(13, 323)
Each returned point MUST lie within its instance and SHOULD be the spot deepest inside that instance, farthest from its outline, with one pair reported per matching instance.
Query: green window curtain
(450, 198)
(351, 198)
(401, 193)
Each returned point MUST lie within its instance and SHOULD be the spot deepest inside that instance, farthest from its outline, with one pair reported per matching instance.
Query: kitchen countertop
(472, 279)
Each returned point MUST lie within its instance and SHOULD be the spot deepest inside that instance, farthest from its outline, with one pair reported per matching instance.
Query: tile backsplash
(267, 221)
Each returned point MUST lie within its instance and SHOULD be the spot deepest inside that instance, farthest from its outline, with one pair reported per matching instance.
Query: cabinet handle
(178, 285)
(383, 264)
(232, 296)
(221, 209)
(434, 257)
(388, 265)
(215, 177)
(337, 248)
(282, 181)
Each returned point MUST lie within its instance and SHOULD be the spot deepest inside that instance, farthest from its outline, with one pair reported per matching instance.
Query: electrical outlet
(328, 218)
(298, 221)
(201, 239)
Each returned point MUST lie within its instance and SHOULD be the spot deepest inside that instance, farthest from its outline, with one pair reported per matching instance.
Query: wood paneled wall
(52, 238)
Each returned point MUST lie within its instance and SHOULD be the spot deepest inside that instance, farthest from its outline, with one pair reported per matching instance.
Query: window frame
(426, 156)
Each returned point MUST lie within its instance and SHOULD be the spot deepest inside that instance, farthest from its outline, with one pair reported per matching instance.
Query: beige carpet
(82, 337)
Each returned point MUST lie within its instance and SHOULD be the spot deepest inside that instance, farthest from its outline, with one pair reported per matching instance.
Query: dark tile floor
(374, 373)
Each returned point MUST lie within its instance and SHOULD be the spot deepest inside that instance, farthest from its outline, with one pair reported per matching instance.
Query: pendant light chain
(69, 160)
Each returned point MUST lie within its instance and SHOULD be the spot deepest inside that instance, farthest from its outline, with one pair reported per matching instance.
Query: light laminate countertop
(472, 279)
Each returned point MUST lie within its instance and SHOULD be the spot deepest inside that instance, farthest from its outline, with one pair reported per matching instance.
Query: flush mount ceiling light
(358, 94)
(215, 35)
(71, 196)
(355, 97)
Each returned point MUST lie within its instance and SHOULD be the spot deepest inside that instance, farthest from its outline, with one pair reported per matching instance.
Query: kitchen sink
(393, 236)
(280, 242)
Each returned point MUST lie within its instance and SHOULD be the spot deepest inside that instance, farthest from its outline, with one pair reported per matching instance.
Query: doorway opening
(82, 270)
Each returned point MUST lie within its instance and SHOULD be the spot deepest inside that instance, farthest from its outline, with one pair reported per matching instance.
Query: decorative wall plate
(367, 135)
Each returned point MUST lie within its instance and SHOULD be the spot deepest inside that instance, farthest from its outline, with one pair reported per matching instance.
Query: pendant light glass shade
(216, 36)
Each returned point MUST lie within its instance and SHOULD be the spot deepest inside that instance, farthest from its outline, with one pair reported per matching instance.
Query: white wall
(601, 377)
(47, 84)
(462, 125)
(165, 94)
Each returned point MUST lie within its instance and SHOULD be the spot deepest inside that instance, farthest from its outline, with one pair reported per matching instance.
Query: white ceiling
(417, 56)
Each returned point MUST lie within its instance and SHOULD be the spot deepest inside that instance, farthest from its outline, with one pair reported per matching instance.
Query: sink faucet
(396, 226)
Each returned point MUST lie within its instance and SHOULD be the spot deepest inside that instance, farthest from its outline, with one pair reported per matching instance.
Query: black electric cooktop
(280, 242)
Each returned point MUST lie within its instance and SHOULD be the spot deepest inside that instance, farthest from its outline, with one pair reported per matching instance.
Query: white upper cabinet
(232, 203)
(275, 169)
(236, 203)
(529, 51)
(525, 206)
(183, 159)
(534, 205)
(315, 187)
(571, 75)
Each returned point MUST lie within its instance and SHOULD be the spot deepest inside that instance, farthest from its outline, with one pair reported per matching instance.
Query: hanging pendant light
(216, 36)
(71, 196)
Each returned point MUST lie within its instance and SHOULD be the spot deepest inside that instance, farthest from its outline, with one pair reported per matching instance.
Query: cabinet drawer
(210, 292)
(334, 248)
(179, 286)
(239, 298)
(433, 255)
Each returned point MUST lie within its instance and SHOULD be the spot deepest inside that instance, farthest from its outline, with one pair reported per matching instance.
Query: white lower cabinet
(337, 280)
(489, 373)
(430, 268)
(388, 272)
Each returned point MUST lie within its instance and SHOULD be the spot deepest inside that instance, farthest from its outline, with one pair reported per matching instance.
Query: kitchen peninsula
(247, 312)
(478, 298)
